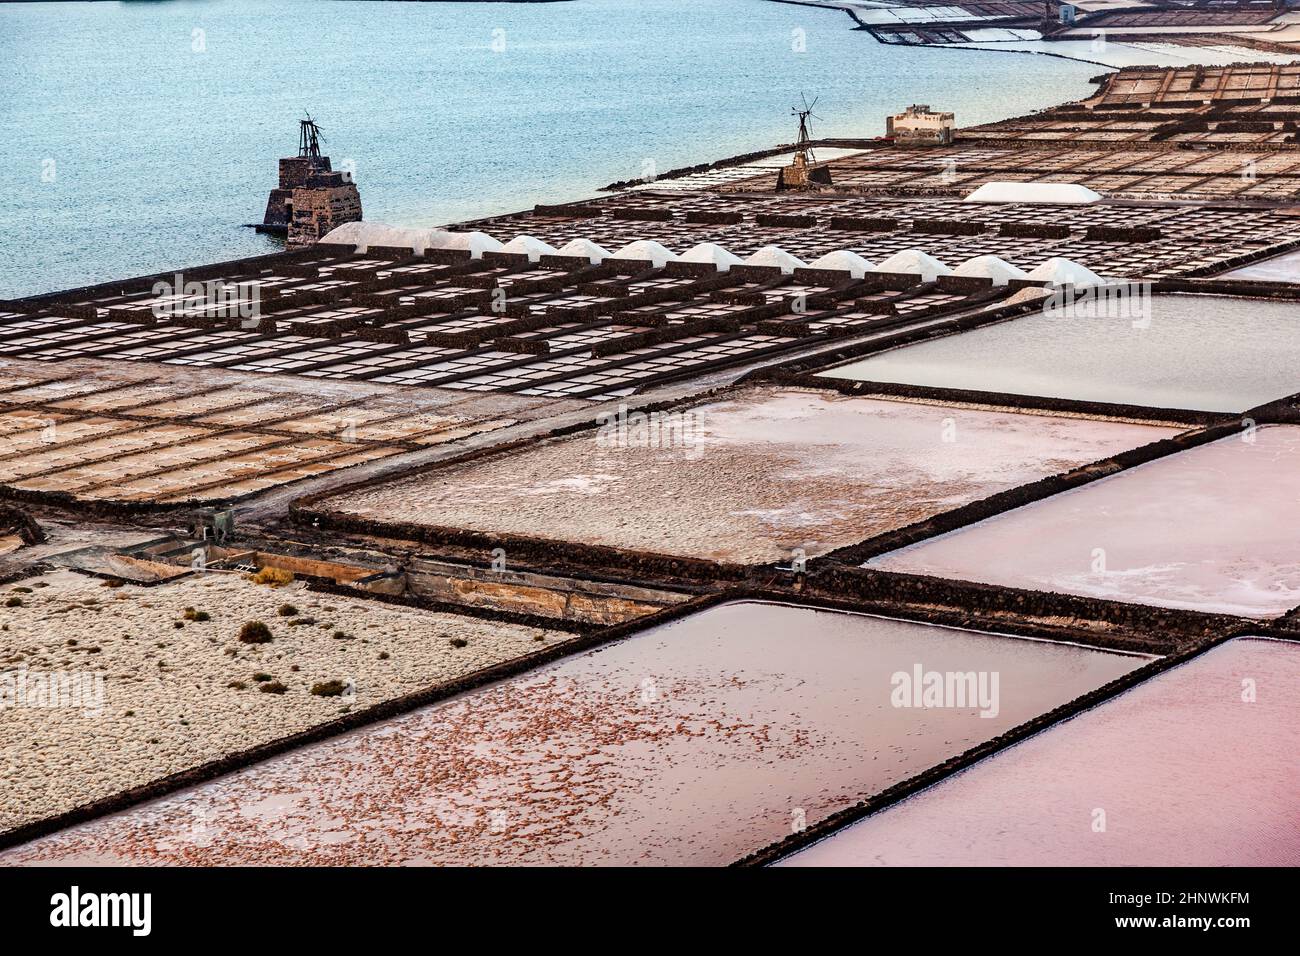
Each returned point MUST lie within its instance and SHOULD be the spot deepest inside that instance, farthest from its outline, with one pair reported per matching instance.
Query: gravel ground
(176, 696)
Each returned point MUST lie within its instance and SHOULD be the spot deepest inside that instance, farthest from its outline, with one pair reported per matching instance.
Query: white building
(920, 126)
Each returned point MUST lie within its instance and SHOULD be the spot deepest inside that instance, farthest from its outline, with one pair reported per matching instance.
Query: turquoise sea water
(139, 136)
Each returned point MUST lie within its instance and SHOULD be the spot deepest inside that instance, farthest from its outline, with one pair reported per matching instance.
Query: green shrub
(255, 632)
(329, 688)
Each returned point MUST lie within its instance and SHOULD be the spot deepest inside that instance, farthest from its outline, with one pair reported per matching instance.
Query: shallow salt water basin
(696, 742)
(1200, 352)
(1211, 529)
(753, 477)
(1181, 771)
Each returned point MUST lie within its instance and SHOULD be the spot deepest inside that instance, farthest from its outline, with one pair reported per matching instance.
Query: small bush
(276, 577)
(255, 632)
(261, 678)
(274, 687)
(113, 583)
(383, 655)
(329, 688)
(193, 615)
(302, 621)
(458, 642)
(20, 590)
(342, 636)
(287, 610)
(237, 685)
(14, 602)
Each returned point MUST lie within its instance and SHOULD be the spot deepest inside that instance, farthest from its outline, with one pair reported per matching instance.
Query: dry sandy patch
(172, 697)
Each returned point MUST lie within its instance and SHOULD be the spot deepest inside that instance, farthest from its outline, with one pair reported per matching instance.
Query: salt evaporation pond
(1198, 352)
(753, 476)
(1283, 268)
(694, 743)
(1180, 771)
(1208, 529)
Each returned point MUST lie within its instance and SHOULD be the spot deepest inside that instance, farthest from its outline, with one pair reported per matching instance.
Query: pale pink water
(1215, 528)
(1180, 771)
(770, 469)
(695, 743)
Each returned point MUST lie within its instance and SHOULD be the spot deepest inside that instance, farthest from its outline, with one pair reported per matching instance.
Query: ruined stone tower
(312, 198)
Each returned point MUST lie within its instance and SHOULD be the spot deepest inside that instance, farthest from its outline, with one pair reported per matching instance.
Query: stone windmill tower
(803, 172)
(312, 198)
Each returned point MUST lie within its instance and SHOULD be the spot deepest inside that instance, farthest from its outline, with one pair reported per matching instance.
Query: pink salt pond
(751, 477)
(696, 742)
(1208, 529)
(1184, 770)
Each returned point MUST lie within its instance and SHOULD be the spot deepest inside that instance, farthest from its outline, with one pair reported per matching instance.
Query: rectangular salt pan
(1194, 768)
(753, 477)
(1208, 529)
(694, 743)
(1197, 352)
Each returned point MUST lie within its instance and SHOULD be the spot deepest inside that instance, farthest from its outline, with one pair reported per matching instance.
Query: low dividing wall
(831, 357)
(1010, 400)
(559, 557)
(1042, 614)
(16, 521)
(1004, 501)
